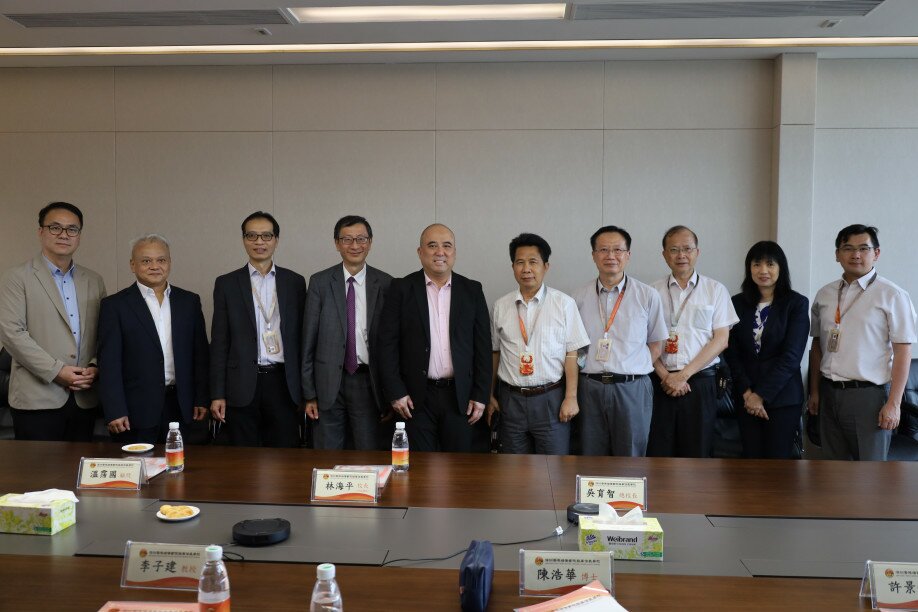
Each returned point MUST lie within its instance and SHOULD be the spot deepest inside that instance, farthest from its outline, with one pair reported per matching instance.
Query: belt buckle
(607, 378)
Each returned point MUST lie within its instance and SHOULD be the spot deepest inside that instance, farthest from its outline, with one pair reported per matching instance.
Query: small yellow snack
(136, 447)
(175, 512)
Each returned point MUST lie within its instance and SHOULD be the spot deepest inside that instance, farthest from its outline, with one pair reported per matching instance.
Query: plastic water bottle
(175, 449)
(326, 597)
(400, 448)
(214, 587)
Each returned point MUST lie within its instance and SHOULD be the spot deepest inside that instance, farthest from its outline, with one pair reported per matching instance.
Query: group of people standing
(638, 365)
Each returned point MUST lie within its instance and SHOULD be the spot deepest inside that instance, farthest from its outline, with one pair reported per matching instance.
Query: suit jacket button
(424, 372)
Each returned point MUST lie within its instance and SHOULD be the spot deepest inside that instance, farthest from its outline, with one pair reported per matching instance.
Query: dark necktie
(350, 351)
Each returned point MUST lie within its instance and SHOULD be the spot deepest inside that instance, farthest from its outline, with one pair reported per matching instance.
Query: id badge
(272, 342)
(526, 366)
(671, 346)
(603, 350)
(833, 340)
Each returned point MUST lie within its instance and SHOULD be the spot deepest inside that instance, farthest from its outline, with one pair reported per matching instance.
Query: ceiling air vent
(149, 18)
(722, 10)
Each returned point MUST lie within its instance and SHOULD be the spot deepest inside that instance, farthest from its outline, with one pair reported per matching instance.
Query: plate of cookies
(174, 514)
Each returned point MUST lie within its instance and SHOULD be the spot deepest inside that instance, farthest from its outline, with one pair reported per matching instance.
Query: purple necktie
(350, 350)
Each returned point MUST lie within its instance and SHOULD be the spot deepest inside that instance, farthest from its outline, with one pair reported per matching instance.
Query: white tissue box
(36, 518)
(633, 542)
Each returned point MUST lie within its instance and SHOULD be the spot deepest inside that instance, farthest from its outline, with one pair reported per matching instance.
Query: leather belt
(850, 384)
(271, 367)
(441, 382)
(705, 373)
(362, 368)
(170, 389)
(537, 390)
(608, 378)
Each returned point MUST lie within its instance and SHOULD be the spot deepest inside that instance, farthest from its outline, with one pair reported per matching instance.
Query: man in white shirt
(152, 351)
(536, 333)
(863, 327)
(699, 314)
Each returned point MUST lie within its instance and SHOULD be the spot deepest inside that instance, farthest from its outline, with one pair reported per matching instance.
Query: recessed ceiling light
(455, 12)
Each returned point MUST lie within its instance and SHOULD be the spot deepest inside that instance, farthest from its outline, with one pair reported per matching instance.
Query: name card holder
(549, 573)
(621, 493)
(151, 565)
(890, 585)
(345, 486)
(101, 473)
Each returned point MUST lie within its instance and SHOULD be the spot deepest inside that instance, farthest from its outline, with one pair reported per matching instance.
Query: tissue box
(37, 519)
(635, 542)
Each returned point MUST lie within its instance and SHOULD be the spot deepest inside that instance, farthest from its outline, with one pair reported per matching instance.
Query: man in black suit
(340, 378)
(152, 351)
(435, 350)
(256, 340)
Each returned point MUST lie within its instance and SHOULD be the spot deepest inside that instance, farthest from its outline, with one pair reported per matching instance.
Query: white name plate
(549, 573)
(345, 486)
(98, 473)
(151, 565)
(620, 493)
(891, 585)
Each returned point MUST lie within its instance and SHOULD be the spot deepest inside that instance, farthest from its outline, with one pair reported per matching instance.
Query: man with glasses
(699, 314)
(340, 376)
(49, 308)
(624, 319)
(863, 328)
(256, 338)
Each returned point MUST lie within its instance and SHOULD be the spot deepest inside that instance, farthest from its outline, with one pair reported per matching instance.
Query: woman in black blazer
(764, 354)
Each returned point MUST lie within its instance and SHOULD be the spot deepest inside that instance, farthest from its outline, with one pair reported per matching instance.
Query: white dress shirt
(162, 319)
(265, 287)
(360, 310)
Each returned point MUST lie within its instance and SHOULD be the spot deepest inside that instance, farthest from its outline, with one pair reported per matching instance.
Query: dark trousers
(683, 426)
(438, 424)
(353, 416)
(531, 424)
(272, 419)
(69, 423)
(157, 433)
(771, 439)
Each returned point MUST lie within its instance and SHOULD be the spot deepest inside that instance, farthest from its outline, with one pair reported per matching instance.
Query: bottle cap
(213, 552)
(400, 425)
(326, 571)
(173, 425)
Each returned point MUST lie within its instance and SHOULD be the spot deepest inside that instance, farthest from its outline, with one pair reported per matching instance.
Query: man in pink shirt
(435, 350)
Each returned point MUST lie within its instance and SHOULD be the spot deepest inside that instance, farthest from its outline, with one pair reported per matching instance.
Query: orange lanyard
(618, 302)
(838, 313)
(523, 325)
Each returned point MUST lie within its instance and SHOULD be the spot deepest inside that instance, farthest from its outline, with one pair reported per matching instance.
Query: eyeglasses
(850, 250)
(254, 236)
(607, 251)
(674, 251)
(349, 240)
(72, 230)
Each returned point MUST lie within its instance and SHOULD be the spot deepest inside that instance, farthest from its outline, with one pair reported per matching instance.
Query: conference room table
(712, 487)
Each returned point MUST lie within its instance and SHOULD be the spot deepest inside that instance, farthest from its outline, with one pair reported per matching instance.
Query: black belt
(705, 373)
(850, 384)
(271, 367)
(362, 368)
(170, 389)
(441, 382)
(537, 390)
(608, 378)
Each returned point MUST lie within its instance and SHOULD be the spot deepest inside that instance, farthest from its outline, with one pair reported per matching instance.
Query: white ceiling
(890, 18)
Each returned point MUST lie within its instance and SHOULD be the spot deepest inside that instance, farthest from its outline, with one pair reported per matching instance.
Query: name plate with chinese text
(891, 585)
(151, 565)
(345, 486)
(549, 573)
(620, 493)
(100, 473)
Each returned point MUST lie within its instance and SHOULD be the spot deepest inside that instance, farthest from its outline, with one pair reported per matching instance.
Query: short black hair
(59, 206)
(606, 229)
(349, 220)
(260, 214)
(527, 240)
(854, 230)
(766, 250)
(675, 230)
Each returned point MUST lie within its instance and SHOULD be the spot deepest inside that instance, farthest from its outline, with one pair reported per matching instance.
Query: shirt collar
(427, 281)
(539, 297)
(148, 291)
(621, 284)
(863, 281)
(253, 271)
(358, 278)
(692, 281)
(54, 269)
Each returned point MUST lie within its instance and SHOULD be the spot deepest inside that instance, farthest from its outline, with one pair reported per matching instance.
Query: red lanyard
(838, 313)
(618, 302)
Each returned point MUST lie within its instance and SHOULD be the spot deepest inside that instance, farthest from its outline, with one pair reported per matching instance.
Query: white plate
(195, 511)
(137, 448)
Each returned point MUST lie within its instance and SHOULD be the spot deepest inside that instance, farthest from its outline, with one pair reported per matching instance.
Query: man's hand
(569, 409)
(889, 416)
(200, 413)
(403, 406)
(754, 405)
(218, 410)
(812, 404)
(75, 378)
(493, 408)
(312, 409)
(474, 411)
(675, 384)
(119, 425)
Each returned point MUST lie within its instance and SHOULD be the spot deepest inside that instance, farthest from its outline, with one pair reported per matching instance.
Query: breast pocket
(701, 317)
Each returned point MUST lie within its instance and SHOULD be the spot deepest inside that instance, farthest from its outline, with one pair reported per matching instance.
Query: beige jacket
(35, 331)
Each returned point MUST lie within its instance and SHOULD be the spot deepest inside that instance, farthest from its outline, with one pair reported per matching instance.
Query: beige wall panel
(492, 186)
(355, 97)
(193, 98)
(56, 100)
(39, 168)
(506, 96)
(195, 189)
(689, 94)
(857, 93)
(387, 177)
(715, 181)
